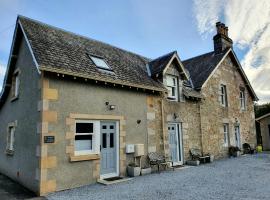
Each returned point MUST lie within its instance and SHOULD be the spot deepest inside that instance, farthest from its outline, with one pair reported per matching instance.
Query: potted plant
(146, 170)
(234, 151)
(133, 170)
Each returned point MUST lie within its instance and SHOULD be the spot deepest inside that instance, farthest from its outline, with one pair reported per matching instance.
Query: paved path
(243, 178)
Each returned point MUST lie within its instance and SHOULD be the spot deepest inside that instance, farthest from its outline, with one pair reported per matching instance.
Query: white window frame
(95, 138)
(242, 99)
(223, 95)
(225, 134)
(174, 86)
(10, 138)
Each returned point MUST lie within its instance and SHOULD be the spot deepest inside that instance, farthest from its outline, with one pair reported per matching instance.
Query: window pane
(83, 142)
(111, 140)
(99, 62)
(84, 127)
(104, 140)
(173, 92)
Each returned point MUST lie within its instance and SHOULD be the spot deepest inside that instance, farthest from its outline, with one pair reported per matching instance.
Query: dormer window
(100, 63)
(172, 86)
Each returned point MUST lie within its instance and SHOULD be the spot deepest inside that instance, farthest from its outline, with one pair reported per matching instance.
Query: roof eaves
(262, 117)
(161, 88)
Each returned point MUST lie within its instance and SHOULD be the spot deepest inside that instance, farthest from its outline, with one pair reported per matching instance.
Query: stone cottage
(73, 108)
(264, 130)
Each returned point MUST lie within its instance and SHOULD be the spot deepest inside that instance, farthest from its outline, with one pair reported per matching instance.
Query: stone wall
(213, 114)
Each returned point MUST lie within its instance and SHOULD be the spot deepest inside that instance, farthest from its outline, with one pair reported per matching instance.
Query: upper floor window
(100, 63)
(242, 99)
(172, 86)
(15, 85)
(223, 95)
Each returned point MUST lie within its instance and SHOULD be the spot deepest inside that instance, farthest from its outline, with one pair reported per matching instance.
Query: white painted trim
(175, 56)
(259, 118)
(103, 176)
(214, 71)
(30, 48)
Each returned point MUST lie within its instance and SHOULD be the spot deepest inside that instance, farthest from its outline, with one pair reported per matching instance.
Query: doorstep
(106, 182)
(181, 167)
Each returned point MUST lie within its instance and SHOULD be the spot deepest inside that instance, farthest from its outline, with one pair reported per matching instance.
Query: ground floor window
(86, 134)
(226, 134)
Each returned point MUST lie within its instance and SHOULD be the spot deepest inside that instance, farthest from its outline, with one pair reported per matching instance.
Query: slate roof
(200, 67)
(157, 65)
(61, 51)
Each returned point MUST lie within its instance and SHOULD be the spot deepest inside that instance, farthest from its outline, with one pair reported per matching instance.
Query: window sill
(14, 98)
(78, 158)
(9, 152)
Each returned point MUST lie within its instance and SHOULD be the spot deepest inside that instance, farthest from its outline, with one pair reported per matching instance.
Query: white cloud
(249, 27)
(2, 74)
(2, 70)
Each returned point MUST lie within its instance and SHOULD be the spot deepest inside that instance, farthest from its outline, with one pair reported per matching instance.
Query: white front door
(108, 149)
(175, 143)
(237, 136)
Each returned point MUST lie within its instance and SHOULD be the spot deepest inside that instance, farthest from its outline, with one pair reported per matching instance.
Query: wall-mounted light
(175, 116)
(139, 121)
(112, 107)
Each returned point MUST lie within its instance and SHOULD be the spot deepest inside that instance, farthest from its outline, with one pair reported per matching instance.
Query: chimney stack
(221, 39)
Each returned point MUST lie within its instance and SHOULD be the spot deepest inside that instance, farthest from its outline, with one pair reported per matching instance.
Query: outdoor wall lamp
(175, 116)
(111, 107)
(139, 121)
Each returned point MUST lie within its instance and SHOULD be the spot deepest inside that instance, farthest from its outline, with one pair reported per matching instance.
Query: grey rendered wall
(23, 164)
(264, 123)
(89, 98)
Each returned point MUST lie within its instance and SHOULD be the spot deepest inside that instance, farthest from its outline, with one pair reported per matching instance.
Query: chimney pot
(221, 39)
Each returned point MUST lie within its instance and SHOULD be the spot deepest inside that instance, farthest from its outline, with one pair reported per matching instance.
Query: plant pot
(193, 162)
(133, 171)
(146, 171)
(212, 157)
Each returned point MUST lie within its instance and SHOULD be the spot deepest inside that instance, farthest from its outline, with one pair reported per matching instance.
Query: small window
(15, 85)
(111, 140)
(172, 86)
(10, 139)
(242, 99)
(223, 95)
(84, 137)
(100, 63)
(226, 134)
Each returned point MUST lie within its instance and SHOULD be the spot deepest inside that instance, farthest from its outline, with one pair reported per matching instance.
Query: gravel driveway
(246, 177)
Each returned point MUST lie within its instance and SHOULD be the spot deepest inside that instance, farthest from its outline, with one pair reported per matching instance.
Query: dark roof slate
(157, 65)
(63, 51)
(200, 67)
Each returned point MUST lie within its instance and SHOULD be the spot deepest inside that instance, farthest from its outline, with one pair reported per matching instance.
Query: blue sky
(150, 28)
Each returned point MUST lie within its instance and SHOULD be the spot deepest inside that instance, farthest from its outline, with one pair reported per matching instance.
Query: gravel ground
(246, 177)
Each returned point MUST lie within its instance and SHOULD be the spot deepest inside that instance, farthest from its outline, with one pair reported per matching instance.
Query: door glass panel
(104, 140)
(104, 127)
(111, 140)
(112, 127)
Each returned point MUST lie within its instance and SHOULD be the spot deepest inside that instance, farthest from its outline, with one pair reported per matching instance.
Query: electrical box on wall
(130, 148)
(139, 150)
